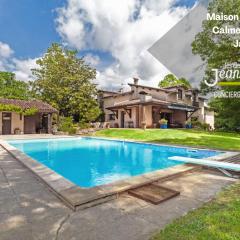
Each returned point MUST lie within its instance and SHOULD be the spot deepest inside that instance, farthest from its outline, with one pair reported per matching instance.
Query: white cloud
(22, 68)
(5, 54)
(91, 59)
(5, 51)
(125, 29)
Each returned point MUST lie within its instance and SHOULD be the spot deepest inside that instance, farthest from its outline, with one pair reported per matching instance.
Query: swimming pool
(90, 162)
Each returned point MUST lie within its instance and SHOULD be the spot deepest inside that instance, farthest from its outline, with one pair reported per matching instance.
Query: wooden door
(6, 123)
(29, 124)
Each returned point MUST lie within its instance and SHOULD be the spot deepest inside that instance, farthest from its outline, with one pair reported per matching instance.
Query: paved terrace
(28, 210)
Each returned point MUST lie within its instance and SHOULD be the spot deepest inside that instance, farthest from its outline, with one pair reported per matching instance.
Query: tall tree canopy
(12, 88)
(170, 81)
(216, 50)
(65, 81)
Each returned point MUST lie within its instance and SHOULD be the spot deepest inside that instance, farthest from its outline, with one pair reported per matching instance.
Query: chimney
(135, 80)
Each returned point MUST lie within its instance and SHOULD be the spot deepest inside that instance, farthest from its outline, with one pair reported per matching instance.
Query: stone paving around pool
(28, 210)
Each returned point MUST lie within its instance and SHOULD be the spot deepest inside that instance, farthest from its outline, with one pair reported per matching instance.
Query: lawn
(195, 138)
(216, 220)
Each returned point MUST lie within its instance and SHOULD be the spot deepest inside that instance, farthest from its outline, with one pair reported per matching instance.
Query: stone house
(145, 104)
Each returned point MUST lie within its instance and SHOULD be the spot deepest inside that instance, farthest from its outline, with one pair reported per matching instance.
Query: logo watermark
(229, 73)
(226, 94)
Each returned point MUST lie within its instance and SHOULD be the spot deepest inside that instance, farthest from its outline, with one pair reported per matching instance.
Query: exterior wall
(172, 97)
(158, 94)
(188, 100)
(179, 117)
(127, 118)
(17, 122)
(209, 118)
(110, 101)
(148, 116)
(200, 113)
(161, 95)
(204, 115)
(0, 122)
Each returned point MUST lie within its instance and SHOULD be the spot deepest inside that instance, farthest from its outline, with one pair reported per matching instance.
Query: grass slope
(218, 140)
(216, 220)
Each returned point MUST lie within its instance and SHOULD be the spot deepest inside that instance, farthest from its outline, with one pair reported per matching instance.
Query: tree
(12, 88)
(216, 50)
(170, 81)
(65, 81)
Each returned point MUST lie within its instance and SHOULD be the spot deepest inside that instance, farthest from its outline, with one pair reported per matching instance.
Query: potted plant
(144, 125)
(163, 123)
(17, 131)
(188, 124)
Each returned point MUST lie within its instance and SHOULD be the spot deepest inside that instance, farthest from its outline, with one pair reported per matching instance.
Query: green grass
(217, 140)
(216, 220)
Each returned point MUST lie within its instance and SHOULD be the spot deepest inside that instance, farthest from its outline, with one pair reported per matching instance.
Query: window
(180, 94)
(111, 117)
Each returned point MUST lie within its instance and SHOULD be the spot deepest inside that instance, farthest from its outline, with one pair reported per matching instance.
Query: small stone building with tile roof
(17, 123)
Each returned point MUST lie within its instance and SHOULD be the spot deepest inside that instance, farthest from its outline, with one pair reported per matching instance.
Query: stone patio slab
(74, 196)
(40, 215)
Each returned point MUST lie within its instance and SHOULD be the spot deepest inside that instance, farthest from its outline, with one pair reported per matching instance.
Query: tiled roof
(137, 102)
(154, 88)
(119, 94)
(170, 105)
(24, 104)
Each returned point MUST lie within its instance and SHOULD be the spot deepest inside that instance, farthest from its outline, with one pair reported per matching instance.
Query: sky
(112, 35)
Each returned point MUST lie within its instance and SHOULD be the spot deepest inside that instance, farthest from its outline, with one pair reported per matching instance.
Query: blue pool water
(90, 162)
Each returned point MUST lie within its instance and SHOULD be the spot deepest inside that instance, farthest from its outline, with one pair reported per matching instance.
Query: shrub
(206, 126)
(83, 125)
(203, 126)
(196, 124)
(66, 125)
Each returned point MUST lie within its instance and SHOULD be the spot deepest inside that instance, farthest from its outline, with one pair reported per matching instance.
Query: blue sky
(28, 27)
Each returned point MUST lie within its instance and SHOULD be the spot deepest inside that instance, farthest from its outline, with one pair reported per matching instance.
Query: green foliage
(216, 51)
(65, 81)
(170, 81)
(203, 126)
(83, 125)
(17, 109)
(163, 121)
(227, 113)
(215, 220)
(189, 137)
(66, 125)
(12, 88)
(184, 82)
(30, 111)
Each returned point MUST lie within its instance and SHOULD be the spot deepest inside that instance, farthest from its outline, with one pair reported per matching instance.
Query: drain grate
(153, 193)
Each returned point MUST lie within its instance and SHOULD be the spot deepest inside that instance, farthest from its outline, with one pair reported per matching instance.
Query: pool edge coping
(77, 197)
